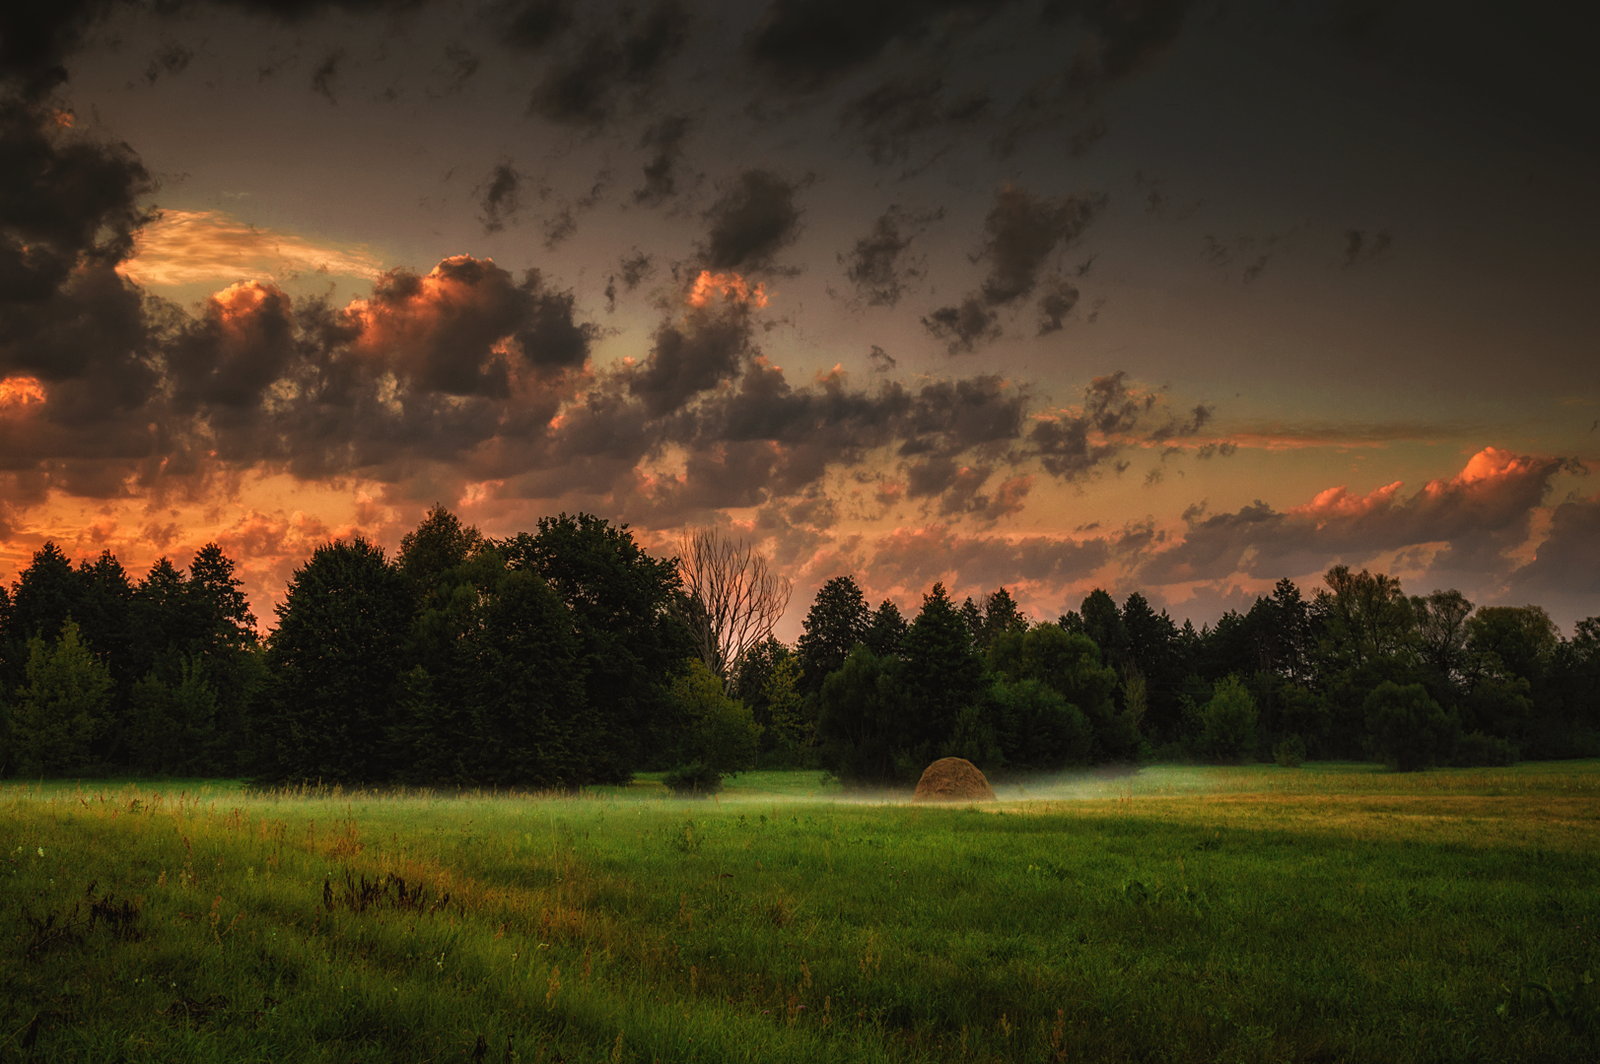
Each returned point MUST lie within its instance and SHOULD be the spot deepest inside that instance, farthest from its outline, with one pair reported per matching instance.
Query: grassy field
(1327, 913)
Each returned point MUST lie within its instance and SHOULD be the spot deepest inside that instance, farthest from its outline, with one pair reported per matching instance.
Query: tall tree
(1442, 630)
(336, 662)
(943, 674)
(837, 621)
(62, 707)
(862, 720)
(1000, 615)
(435, 547)
(1070, 664)
(885, 629)
(629, 644)
(1367, 616)
(1102, 622)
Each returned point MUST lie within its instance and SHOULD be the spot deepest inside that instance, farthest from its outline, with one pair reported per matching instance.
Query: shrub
(1290, 752)
(694, 780)
(1228, 722)
(1406, 729)
(1477, 750)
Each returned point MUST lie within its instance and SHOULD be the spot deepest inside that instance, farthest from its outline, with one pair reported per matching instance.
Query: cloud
(326, 77)
(465, 326)
(1567, 564)
(170, 59)
(1019, 235)
(212, 247)
(535, 24)
(964, 326)
(1120, 38)
(580, 87)
(877, 265)
(501, 197)
(753, 220)
(1020, 232)
(1059, 300)
(665, 140)
(1037, 567)
(896, 112)
(636, 269)
(691, 356)
(1478, 516)
(36, 39)
(803, 45)
(67, 201)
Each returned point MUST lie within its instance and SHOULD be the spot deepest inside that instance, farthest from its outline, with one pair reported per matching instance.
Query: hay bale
(953, 779)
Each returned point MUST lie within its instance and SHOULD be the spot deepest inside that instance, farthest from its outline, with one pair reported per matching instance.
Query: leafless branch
(733, 599)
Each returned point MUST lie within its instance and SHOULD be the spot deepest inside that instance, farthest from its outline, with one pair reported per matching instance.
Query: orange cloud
(20, 391)
(733, 288)
(211, 247)
(1340, 504)
(1491, 463)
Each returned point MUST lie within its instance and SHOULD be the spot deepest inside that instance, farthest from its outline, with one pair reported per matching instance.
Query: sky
(1147, 295)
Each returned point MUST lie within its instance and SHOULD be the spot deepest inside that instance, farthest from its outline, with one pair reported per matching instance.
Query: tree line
(569, 656)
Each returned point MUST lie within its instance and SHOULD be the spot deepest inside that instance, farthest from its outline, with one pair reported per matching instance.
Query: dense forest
(569, 656)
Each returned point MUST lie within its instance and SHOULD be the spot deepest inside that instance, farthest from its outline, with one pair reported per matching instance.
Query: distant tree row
(569, 656)
(1358, 671)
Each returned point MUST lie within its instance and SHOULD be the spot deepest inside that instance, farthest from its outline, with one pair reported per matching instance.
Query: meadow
(1326, 913)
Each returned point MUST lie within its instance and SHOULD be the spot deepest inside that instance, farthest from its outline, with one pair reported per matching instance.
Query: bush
(1290, 752)
(1477, 750)
(1038, 729)
(718, 731)
(694, 780)
(1228, 722)
(1406, 729)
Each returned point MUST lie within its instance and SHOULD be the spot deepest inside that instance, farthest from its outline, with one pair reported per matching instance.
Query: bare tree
(731, 599)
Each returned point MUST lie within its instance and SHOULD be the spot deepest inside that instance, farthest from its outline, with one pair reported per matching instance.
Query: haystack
(953, 779)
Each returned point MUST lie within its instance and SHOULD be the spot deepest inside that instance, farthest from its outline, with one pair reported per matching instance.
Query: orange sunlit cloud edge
(1046, 573)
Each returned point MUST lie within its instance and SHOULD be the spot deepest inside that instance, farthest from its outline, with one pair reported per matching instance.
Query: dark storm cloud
(65, 200)
(690, 357)
(501, 197)
(804, 44)
(878, 265)
(752, 221)
(242, 342)
(36, 40)
(1020, 233)
(1481, 513)
(665, 140)
(69, 210)
(1566, 563)
(580, 87)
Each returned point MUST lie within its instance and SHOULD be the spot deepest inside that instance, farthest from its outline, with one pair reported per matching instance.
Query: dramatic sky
(1139, 294)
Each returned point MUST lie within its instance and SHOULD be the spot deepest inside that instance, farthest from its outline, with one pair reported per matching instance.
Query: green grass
(1333, 912)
